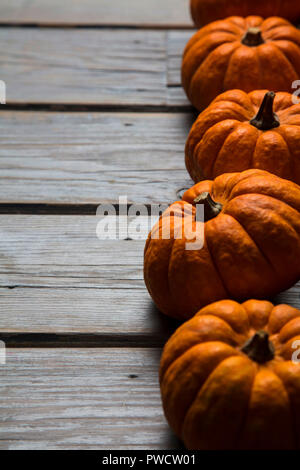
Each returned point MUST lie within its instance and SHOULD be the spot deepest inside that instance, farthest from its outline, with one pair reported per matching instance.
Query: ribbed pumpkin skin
(215, 397)
(206, 11)
(216, 60)
(251, 249)
(222, 140)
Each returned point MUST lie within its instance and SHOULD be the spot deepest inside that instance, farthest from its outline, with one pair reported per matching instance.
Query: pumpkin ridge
(269, 197)
(253, 241)
(205, 61)
(274, 376)
(242, 179)
(169, 269)
(148, 285)
(292, 415)
(192, 51)
(234, 353)
(245, 417)
(213, 166)
(216, 267)
(291, 159)
(196, 396)
(286, 141)
(232, 198)
(196, 158)
(182, 329)
(286, 66)
(286, 326)
(213, 171)
(246, 414)
(286, 58)
(289, 205)
(204, 384)
(201, 33)
(278, 44)
(279, 23)
(283, 221)
(283, 32)
(286, 170)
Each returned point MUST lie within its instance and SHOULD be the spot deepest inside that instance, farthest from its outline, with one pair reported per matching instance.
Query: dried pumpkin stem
(266, 119)
(259, 348)
(211, 208)
(253, 37)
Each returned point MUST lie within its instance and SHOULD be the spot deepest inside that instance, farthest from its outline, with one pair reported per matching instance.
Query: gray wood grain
(177, 41)
(154, 13)
(87, 67)
(57, 277)
(82, 399)
(74, 158)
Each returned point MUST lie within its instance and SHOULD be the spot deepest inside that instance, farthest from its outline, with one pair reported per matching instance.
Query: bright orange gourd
(228, 380)
(240, 131)
(251, 246)
(244, 53)
(206, 11)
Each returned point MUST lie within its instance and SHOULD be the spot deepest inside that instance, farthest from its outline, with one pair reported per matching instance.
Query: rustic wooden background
(94, 110)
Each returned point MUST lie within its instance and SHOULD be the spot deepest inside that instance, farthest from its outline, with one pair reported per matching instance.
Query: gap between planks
(110, 69)
(61, 285)
(83, 340)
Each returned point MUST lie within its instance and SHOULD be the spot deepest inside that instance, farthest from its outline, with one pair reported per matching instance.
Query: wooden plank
(86, 67)
(82, 399)
(79, 158)
(177, 41)
(156, 13)
(57, 277)
(65, 252)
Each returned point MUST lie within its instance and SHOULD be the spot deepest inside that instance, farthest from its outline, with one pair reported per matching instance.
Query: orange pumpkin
(229, 379)
(251, 243)
(240, 131)
(244, 53)
(206, 11)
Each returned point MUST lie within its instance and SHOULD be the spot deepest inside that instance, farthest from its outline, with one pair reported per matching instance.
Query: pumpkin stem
(253, 37)
(266, 119)
(211, 208)
(259, 348)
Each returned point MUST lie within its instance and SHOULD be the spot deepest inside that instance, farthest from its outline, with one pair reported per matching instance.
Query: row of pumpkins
(227, 378)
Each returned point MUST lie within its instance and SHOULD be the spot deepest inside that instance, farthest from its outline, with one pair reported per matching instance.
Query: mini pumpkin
(229, 379)
(206, 11)
(240, 131)
(251, 243)
(245, 53)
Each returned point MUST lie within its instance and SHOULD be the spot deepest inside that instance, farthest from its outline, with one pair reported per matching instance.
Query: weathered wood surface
(79, 158)
(56, 276)
(82, 399)
(154, 13)
(177, 41)
(90, 67)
